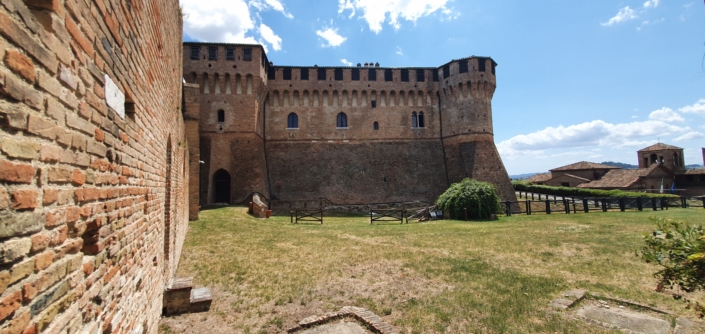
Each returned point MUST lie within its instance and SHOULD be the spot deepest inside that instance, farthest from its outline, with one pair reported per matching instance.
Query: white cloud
(346, 62)
(698, 108)
(376, 12)
(651, 3)
(269, 36)
(690, 135)
(270, 4)
(589, 134)
(399, 51)
(331, 36)
(624, 14)
(666, 115)
(230, 21)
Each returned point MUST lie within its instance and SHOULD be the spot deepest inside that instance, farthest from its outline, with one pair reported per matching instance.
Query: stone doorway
(221, 186)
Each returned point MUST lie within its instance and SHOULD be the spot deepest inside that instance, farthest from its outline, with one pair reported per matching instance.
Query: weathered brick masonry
(93, 206)
(381, 155)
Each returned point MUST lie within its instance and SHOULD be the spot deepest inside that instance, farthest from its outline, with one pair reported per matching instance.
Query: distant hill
(620, 165)
(693, 166)
(522, 176)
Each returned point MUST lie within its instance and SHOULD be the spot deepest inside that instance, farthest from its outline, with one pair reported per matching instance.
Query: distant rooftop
(583, 165)
(659, 147)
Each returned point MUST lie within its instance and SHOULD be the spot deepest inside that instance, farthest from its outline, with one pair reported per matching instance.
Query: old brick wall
(93, 207)
(192, 114)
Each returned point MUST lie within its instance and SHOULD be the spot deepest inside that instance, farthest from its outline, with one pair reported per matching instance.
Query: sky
(576, 81)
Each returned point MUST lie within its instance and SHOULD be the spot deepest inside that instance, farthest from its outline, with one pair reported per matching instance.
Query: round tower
(466, 88)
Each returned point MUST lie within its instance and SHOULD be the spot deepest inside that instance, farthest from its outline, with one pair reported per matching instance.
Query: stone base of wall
(180, 297)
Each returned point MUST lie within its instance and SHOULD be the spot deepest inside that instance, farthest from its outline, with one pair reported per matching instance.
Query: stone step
(201, 300)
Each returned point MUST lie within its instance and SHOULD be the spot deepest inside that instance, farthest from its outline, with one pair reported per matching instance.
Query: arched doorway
(221, 185)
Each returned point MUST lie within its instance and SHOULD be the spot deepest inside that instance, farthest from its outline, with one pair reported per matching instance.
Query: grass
(433, 277)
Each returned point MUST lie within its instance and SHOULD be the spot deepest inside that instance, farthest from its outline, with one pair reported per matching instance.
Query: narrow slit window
(230, 54)
(420, 75)
(414, 120)
(388, 75)
(375, 126)
(287, 74)
(435, 75)
(292, 121)
(421, 120)
(304, 74)
(405, 75)
(247, 54)
(342, 121)
(356, 74)
(195, 53)
(338, 74)
(221, 116)
(212, 53)
(481, 65)
(446, 71)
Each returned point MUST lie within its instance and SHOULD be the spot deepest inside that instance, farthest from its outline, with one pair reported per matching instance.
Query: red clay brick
(43, 261)
(21, 65)
(24, 199)
(78, 178)
(50, 153)
(9, 304)
(78, 36)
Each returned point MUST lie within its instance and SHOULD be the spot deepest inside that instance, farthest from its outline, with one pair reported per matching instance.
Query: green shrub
(679, 249)
(480, 199)
(581, 192)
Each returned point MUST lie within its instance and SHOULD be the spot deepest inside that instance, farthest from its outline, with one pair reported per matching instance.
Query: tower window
(372, 75)
(405, 75)
(292, 121)
(435, 75)
(446, 71)
(414, 120)
(212, 53)
(421, 120)
(481, 65)
(342, 121)
(221, 116)
(304, 74)
(338, 74)
(375, 126)
(230, 54)
(322, 74)
(388, 75)
(195, 53)
(287, 74)
(356, 74)
(373, 103)
(272, 74)
(463, 66)
(420, 76)
(247, 54)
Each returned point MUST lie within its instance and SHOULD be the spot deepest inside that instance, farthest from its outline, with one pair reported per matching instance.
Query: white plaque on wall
(114, 97)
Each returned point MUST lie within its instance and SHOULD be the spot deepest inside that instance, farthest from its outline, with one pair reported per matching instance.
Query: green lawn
(432, 277)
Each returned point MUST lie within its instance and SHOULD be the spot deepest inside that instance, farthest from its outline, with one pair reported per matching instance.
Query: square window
(304, 74)
(420, 75)
(287, 74)
(446, 71)
(463, 66)
(373, 103)
(338, 74)
(435, 75)
(230, 54)
(212, 53)
(372, 75)
(405, 75)
(272, 74)
(388, 75)
(481, 65)
(195, 53)
(247, 54)
(322, 74)
(356, 74)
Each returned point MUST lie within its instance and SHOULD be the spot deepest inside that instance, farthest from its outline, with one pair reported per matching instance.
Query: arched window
(420, 122)
(342, 121)
(221, 116)
(292, 121)
(375, 126)
(414, 120)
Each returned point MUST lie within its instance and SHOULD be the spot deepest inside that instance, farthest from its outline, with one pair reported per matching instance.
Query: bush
(480, 198)
(680, 250)
(581, 192)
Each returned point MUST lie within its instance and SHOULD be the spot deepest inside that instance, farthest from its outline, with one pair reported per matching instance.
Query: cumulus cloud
(230, 21)
(690, 136)
(651, 3)
(269, 36)
(331, 37)
(346, 62)
(698, 108)
(666, 115)
(589, 134)
(624, 14)
(376, 12)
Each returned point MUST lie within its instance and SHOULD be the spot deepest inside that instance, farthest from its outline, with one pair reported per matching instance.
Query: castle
(303, 135)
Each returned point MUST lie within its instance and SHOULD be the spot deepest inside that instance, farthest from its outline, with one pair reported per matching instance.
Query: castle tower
(466, 90)
(669, 156)
(232, 80)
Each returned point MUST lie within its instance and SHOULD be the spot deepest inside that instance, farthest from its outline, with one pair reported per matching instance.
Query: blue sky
(577, 80)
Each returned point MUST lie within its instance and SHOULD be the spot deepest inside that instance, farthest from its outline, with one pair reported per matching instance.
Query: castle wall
(192, 113)
(92, 205)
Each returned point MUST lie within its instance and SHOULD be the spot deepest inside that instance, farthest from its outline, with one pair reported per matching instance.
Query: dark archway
(221, 185)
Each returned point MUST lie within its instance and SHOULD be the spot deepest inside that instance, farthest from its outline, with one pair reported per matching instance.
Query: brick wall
(93, 206)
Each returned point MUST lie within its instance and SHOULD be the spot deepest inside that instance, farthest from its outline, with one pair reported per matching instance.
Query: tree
(479, 198)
